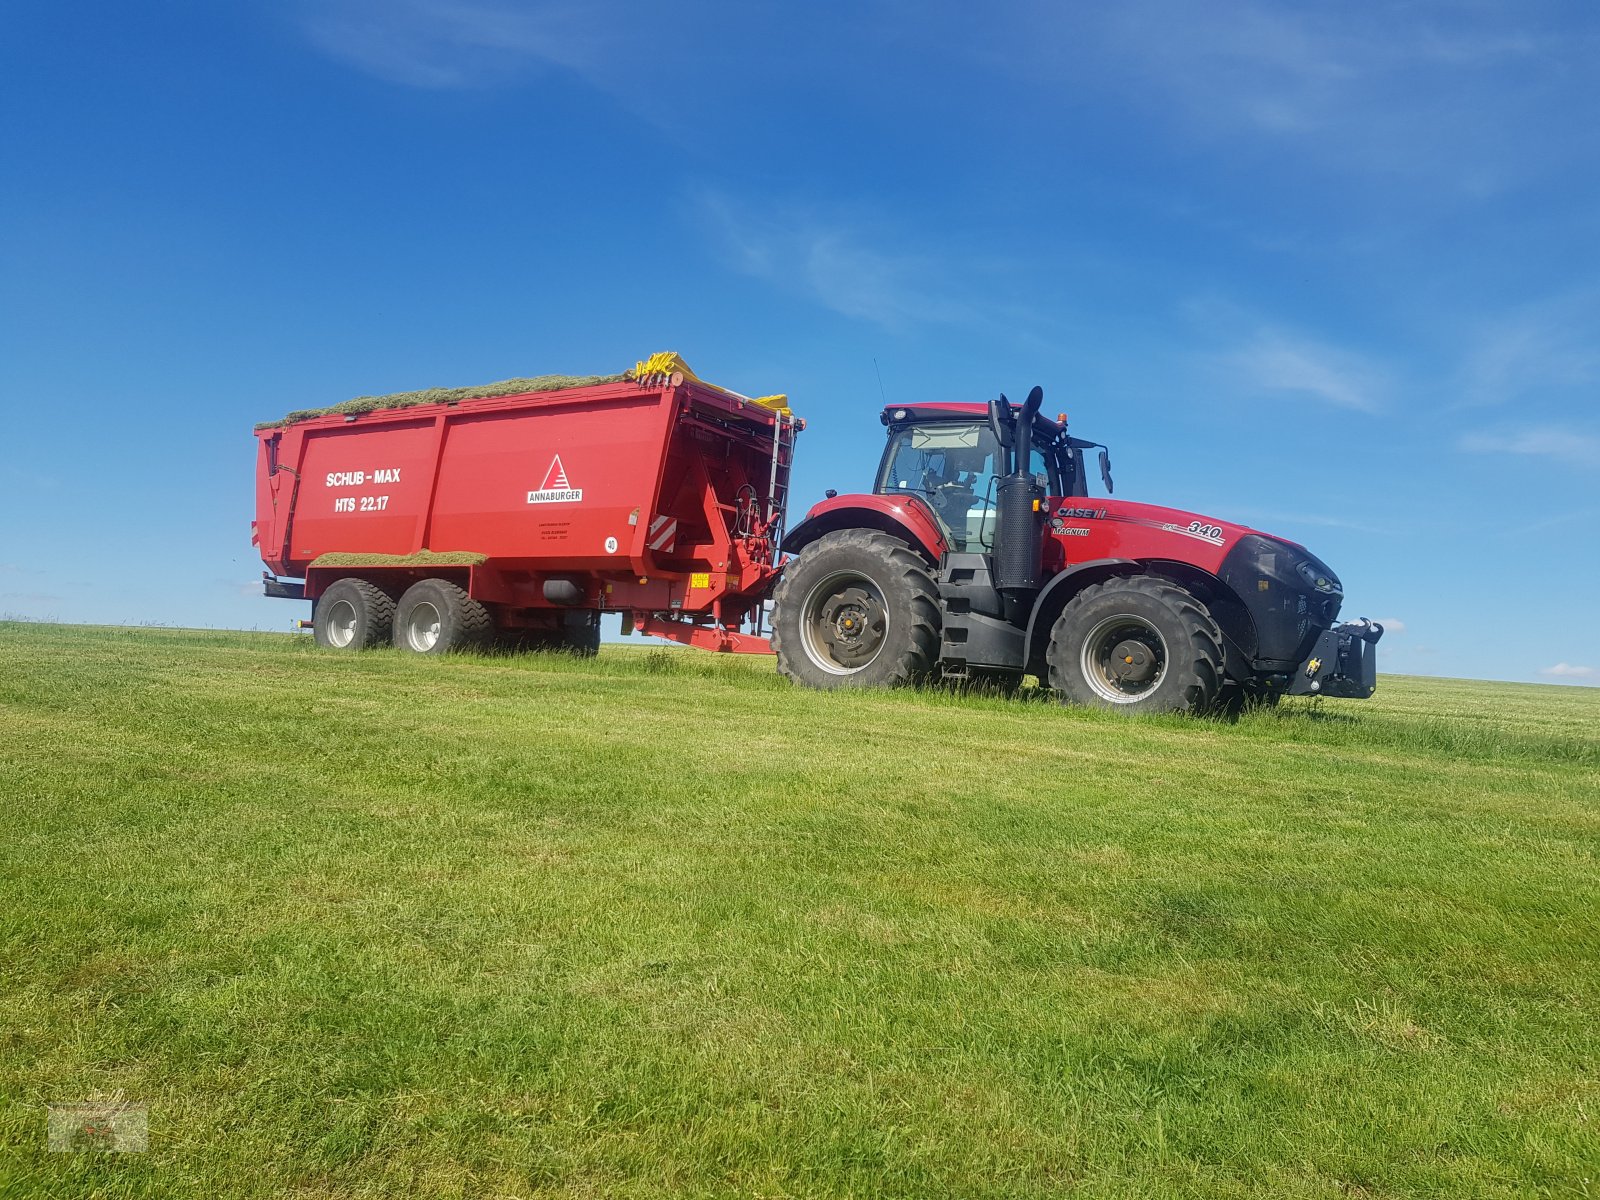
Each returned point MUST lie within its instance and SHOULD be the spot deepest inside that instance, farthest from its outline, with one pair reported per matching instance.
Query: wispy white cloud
(1436, 93)
(1555, 520)
(1564, 670)
(1541, 351)
(459, 43)
(1278, 363)
(840, 264)
(1557, 442)
(1391, 624)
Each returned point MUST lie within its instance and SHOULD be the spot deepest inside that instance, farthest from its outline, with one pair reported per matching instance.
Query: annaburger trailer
(533, 513)
(978, 555)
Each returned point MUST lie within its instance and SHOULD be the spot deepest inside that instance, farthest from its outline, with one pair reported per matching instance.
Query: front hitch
(1343, 663)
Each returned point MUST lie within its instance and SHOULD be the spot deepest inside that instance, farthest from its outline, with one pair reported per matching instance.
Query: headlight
(1321, 580)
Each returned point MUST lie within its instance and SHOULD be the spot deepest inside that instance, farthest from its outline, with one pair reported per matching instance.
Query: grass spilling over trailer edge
(659, 923)
(506, 387)
(421, 558)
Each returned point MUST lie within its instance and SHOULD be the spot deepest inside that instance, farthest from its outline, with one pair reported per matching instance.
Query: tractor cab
(952, 456)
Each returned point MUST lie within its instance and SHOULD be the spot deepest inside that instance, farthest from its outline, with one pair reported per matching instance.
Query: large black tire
(437, 617)
(857, 608)
(1136, 644)
(352, 614)
(581, 640)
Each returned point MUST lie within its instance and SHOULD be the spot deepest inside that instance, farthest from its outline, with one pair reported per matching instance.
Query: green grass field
(658, 923)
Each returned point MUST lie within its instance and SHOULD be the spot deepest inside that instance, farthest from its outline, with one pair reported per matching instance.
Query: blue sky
(1331, 270)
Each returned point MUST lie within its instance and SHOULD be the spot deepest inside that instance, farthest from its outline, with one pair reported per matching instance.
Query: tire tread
(920, 658)
(1203, 665)
(472, 623)
(377, 610)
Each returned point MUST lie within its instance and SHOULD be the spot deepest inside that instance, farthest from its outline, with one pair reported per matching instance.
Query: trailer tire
(857, 608)
(437, 617)
(1136, 644)
(352, 614)
(581, 640)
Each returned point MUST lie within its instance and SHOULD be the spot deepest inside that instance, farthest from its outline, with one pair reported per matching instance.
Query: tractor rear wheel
(437, 617)
(857, 608)
(1136, 644)
(352, 614)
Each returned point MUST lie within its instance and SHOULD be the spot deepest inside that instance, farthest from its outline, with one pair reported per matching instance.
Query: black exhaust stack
(1019, 502)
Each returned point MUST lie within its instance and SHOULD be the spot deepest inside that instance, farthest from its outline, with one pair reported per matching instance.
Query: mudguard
(905, 517)
(1064, 581)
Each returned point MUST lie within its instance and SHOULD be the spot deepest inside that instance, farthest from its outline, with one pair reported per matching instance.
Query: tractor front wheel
(1136, 644)
(857, 608)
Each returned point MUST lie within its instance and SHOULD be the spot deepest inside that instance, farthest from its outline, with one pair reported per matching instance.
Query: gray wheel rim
(422, 627)
(1117, 681)
(341, 625)
(844, 623)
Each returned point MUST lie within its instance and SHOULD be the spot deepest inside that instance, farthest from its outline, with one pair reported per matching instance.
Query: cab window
(953, 468)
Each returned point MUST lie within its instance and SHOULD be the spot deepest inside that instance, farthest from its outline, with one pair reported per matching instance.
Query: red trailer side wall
(550, 479)
(656, 495)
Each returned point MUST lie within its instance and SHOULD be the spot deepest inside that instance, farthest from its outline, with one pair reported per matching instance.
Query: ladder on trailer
(783, 435)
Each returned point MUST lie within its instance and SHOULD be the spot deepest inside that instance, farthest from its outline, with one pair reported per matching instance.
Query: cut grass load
(660, 923)
(505, 387)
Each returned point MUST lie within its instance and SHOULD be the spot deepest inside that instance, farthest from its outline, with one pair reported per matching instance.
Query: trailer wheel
(1136, 645)
(858, 608)
(581, 640)
(352, 614)
(437, 617)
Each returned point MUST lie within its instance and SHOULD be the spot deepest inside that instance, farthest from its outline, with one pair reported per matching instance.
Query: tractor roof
(939, 411)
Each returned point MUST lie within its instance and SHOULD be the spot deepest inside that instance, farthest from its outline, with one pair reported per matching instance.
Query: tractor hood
(1290, 593)
(1127, 529)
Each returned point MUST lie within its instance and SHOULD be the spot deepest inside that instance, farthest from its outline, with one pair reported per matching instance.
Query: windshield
(954, 468)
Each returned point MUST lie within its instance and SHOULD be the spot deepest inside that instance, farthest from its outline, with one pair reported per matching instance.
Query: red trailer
(525, 516)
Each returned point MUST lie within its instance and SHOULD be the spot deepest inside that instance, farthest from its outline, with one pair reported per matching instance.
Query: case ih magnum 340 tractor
(981, 555)
(522, 512)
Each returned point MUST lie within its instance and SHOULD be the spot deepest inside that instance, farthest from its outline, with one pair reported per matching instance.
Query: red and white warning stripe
(664, 534)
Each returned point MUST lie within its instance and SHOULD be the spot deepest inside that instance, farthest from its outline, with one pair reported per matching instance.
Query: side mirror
(1105, 471)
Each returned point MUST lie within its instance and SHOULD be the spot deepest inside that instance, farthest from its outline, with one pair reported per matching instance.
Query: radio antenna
(880, 382)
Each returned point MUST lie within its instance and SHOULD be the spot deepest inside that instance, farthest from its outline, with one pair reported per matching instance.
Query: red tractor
(980, 555)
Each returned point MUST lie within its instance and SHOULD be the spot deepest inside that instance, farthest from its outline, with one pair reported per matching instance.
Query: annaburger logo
(556, 488)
